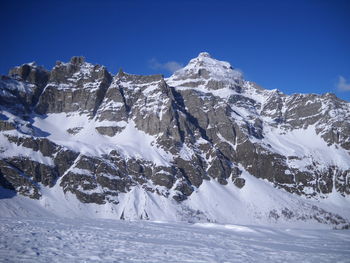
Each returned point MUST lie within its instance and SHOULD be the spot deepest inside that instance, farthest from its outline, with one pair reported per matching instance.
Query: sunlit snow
(65, 240)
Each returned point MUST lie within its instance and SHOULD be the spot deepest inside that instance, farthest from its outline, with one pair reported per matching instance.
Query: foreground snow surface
(101, 240)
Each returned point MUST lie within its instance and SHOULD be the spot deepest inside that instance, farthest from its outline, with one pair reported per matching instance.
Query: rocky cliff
(132, 143)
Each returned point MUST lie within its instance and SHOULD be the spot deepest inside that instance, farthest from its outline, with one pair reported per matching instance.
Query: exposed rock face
(21, 89)
(98, 136)
(74, 86)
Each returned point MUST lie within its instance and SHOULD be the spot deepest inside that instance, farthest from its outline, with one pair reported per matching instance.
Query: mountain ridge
(98, 137)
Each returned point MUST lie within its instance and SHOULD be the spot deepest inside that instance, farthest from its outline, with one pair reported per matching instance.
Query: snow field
(82, 240)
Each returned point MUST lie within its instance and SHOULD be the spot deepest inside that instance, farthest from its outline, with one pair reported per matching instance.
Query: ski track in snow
(101, 240)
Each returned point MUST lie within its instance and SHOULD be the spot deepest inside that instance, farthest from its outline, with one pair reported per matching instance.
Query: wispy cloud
(343, 84)
(170, 66)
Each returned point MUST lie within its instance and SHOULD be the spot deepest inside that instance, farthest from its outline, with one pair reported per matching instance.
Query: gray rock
(109, 130)
(14, 179)
(41, 173)
(7, 126)
(75, 86)
(239, 182)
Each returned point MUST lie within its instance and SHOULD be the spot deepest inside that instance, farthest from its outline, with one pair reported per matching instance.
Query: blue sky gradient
(293, 46)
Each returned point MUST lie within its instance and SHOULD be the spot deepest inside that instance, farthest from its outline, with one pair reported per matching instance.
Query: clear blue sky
(294, 46)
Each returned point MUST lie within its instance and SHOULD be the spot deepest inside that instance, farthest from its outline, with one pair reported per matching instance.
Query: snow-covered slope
(258, 203)
(202, 145)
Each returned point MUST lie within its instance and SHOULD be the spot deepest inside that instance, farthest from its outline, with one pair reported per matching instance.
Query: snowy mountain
(202, 145)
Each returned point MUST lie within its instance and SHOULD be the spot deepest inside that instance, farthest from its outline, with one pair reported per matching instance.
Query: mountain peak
(204, 54)
(77, 60)
(206, 67)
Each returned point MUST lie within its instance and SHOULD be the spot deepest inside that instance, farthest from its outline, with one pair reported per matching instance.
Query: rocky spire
(77, 60)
